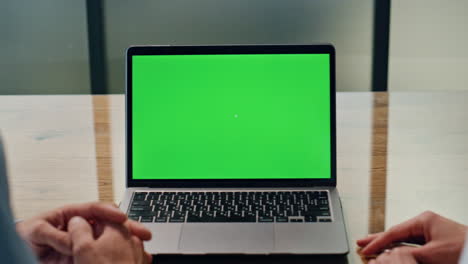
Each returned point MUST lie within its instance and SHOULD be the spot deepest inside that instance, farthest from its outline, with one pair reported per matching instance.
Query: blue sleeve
(12, 248)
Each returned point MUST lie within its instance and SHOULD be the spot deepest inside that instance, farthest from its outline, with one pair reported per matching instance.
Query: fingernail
(372, 261)
(75, 220)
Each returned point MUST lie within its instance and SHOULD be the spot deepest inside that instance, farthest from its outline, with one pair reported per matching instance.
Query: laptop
(231, 149)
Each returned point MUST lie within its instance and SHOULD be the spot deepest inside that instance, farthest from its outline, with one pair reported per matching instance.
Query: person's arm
(12, 248)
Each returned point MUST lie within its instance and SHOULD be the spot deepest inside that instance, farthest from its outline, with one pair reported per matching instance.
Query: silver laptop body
(325, 235)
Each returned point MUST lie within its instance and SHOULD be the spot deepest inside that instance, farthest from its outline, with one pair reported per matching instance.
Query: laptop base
(247, 238)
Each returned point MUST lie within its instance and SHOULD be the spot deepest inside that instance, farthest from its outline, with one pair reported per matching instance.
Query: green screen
(244, 116)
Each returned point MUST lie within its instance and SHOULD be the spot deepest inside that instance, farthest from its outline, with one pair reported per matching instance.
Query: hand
(442, 239)
(395, 256)
(115, 245)
(47, 234)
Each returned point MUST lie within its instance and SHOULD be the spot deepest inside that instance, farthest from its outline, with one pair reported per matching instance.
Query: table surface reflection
(398, 154)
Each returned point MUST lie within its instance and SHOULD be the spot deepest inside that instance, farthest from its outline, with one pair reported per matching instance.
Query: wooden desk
(398, 154)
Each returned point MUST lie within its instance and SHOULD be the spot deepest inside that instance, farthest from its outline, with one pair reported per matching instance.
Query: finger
(149, 257)
(81, 233)
(425, 253)
(403, 255)
(139, 230)
(364, 241)
(384, 258)
(98, 229)
(138, 246)
(47, 234)
(95, 210)
(413, 228)
(112, 232)
(145, 257)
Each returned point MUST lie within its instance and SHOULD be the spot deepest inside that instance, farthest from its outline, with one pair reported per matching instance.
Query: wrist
(20, 228)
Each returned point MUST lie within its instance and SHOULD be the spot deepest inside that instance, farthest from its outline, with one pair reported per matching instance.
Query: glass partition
(428, 41)
(345, 24)
(44, 47)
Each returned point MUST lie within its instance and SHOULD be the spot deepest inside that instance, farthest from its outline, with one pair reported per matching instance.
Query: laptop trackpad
(227, 238)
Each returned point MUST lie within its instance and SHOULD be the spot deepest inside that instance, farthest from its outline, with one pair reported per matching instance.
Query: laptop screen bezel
(228, 49)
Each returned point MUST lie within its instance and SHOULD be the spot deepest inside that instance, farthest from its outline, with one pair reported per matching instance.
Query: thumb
(81, 234)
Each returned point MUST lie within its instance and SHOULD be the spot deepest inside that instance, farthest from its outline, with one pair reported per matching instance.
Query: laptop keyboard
(223, 207)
